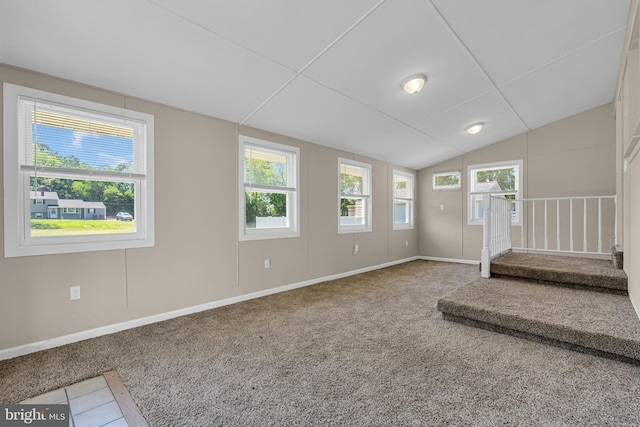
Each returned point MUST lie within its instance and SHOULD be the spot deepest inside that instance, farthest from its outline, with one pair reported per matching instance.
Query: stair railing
(496, 228)
(574, 225)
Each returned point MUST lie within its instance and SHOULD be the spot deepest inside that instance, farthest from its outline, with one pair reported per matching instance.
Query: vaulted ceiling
(330, 71)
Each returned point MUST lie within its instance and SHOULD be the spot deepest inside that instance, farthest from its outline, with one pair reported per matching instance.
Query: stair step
(592, 322)
(595, 274)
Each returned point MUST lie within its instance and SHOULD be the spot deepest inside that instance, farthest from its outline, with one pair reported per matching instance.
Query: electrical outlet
(356, 248)
(74, 293)
(267, 262)
(406, 243)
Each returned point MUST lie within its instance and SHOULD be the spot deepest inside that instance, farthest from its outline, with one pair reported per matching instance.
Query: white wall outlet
(406, 243)
(442, 207)
(267, 262)
(74, 293)
(356, 248)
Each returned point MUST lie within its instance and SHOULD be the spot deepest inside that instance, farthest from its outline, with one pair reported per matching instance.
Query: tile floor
(91, 403)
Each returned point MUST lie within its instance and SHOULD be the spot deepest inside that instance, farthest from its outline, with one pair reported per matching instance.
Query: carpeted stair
(551, 299)
(594, 274)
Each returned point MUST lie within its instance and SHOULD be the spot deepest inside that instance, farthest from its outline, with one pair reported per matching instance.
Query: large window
(64, 156)
(354, 200)
(402, 200)
(503, 179)
(269, 189)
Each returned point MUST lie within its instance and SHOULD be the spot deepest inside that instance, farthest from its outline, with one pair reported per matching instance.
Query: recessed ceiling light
(474, 128)
(414, 84)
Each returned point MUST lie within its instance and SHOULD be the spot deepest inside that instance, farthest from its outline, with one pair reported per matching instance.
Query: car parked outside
(124, 216)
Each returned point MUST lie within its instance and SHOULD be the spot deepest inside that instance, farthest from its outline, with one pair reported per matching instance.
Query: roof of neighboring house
(70, 203)
(487, 187)
(49, 195)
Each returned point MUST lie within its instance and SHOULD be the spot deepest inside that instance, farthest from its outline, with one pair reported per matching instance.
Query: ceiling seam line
(367, 106)
(475, 60)
(383, 114)
(561, 57)
(457, 106)
(208, 30)
(266, 101)
(341, 36)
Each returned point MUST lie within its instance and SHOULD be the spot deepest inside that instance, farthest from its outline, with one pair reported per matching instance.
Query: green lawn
(70, 227)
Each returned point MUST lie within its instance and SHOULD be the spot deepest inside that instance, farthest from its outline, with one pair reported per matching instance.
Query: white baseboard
(455, 260)
(21, 350)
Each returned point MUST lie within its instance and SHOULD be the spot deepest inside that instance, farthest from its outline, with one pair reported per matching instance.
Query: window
(402, 200)
(39, 201)
(72, 153)
(269, 190)
(446, 180)
(503, 178)
(354, 200)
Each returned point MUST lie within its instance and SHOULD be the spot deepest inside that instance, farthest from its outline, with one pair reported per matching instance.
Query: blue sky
(94, 149)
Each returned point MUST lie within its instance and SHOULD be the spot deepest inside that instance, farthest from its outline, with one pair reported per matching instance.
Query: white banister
(599, 225)
(546, 238)
(558, 224)
(584, 232)
(497, 225)
(571, 225)
(486, 236)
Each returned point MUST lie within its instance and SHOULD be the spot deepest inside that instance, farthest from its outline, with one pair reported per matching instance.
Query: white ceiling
(329, 71)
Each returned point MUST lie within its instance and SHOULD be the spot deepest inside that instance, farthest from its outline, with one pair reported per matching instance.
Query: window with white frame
(354, 196)
(402, 200)
(269, 189)
(503, 179)
(446, 180)
(58, 147)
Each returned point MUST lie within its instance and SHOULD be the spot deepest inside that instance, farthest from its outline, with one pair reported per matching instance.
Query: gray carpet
(592, 320)
(595, 274)
(366, 350)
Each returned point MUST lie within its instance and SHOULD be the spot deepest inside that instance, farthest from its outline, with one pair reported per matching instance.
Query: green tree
(349, 184)
(116, 196)
(263, 204)
(506, 178)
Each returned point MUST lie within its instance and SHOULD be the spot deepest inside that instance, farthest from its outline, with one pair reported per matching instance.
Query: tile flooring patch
(91, 403)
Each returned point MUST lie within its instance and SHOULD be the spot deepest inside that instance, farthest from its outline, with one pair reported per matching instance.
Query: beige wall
(627, 149)
(199, 260)
(571, 157)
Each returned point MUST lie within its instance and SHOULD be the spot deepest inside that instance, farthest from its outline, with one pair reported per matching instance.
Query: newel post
(486, 236)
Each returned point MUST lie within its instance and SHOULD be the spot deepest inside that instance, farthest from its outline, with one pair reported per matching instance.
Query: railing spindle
(546, 236)
(584, 231)
(558, 224)
(533, 233)
(599, 224)
(571, 225)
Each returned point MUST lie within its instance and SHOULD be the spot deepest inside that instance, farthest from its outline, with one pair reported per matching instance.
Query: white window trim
(412, 179)
(17, 239)
(367, 226)
(447, 187)
(293, 230)
(494, 165)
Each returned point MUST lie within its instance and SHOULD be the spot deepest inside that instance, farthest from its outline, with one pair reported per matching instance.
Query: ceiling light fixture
(474, 128)
(414, 83)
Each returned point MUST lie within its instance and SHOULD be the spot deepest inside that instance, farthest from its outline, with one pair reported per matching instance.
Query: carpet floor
(365, 350)
(592, 320)
(590, 273)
